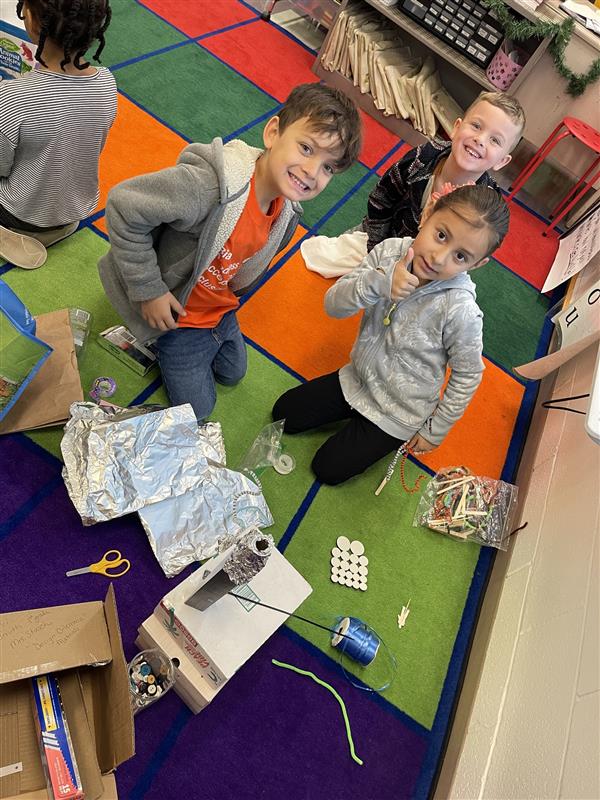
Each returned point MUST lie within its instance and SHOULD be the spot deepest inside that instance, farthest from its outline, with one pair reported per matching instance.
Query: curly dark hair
(72, 24)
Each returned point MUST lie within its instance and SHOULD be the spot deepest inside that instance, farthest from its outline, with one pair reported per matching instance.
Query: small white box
(195, 691)
(224, 636)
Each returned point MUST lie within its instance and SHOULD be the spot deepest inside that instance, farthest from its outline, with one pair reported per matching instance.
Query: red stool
(590, 138)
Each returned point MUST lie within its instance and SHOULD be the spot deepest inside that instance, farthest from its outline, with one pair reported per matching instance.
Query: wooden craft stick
(453, 486)
(460, 480)
(380, 487)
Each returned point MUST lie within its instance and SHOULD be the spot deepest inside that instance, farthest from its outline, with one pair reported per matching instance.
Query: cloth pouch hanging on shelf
(446, 109)
(396, 74)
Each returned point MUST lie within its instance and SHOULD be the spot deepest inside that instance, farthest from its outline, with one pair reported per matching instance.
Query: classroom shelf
(400, 127)
(435, 45)
(450, 63)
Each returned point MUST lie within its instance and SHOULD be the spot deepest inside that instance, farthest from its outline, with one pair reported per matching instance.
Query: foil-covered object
(161, 464)
(249, 556)
(188, 528)
(120, 462)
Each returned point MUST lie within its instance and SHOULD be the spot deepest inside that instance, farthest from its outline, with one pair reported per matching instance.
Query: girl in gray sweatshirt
(420, 317)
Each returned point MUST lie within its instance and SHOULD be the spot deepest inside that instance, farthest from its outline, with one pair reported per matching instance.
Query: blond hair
(507, 103)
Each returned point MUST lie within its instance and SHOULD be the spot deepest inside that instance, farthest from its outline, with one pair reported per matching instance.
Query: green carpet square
(405, 563)
(253, 135)
(351, 213)
(338, 187)
(243, 411)
(514, 314)
(135, 31)
(180, 87)
(70, 278)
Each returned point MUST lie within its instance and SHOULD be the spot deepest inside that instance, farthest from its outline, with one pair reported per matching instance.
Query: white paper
(580, 318)
(575, 251)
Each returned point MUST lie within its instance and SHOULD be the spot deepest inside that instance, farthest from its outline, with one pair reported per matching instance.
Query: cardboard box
(195, 691)
(222, 638)
(81, 645)
(119, 341)
(109, 786)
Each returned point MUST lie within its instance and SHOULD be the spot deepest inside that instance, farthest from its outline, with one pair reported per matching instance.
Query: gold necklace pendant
(387, 320)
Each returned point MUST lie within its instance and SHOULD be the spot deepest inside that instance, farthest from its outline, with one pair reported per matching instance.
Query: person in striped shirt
(54, 122)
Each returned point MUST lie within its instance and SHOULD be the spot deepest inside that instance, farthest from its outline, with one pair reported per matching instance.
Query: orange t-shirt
(211, 297)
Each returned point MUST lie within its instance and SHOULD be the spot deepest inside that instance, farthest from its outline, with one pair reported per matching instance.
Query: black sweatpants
(348, 452)
(8, 220)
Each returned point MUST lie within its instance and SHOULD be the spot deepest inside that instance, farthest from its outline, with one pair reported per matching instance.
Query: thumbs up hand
(403, 281)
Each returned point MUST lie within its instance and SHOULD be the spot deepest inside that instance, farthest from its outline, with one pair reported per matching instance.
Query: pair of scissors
(110, 561)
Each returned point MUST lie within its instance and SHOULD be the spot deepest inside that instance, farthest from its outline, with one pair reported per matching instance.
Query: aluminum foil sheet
(211, 442)
(120, 462)
(188, 528)
(249, 556)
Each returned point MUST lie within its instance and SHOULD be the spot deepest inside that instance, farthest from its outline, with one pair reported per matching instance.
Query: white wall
(8, 13)
(546, 102)
(534, 726)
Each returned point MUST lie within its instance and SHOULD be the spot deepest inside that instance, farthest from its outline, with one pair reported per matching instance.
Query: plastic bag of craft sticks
(468, 507)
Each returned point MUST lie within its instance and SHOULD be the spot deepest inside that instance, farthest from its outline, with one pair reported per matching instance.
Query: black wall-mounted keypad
(467, 26)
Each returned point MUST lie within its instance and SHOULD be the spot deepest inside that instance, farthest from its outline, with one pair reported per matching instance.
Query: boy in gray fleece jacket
(188, 240)
(420, 316)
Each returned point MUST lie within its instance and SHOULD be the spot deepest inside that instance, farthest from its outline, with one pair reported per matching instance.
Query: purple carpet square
(26, 469)
(267, 723)
(52, 540)
(271, 733)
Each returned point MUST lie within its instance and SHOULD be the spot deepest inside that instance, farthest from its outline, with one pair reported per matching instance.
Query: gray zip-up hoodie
(167, 227)
(397, 371)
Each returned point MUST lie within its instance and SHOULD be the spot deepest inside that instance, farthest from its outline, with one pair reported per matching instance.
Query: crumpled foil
(161, 464)
(188, 528)
(249, 556)
(120, 462)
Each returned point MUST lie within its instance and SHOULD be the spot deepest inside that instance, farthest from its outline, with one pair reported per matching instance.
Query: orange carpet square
(195, 19)
(480, 439)
(288, 320)
(136, 144)
(266, 56)
(377, 141)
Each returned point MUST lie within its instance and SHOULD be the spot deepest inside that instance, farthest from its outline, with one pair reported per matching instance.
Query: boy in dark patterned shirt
(481, 141)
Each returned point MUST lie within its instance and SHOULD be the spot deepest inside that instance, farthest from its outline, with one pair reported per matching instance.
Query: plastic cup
(151, 674)
(81, 323)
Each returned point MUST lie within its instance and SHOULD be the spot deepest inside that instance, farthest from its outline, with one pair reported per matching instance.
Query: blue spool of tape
(357, 641)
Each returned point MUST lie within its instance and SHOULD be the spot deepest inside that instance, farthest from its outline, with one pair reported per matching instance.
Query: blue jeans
(192, 359)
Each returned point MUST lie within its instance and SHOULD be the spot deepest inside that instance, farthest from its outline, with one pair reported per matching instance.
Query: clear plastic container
(81, 323)
(151, 674)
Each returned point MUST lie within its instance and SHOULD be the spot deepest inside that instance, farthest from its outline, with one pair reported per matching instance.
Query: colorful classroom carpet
(191, 71)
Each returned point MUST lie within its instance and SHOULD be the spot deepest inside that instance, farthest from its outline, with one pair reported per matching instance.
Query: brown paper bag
(47, 399)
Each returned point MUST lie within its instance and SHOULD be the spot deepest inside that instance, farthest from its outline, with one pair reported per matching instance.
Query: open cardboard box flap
(50, 639)
(81, 644)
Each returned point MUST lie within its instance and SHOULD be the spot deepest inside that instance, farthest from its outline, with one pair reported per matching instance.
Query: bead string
(420, 478)
(404, 452)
